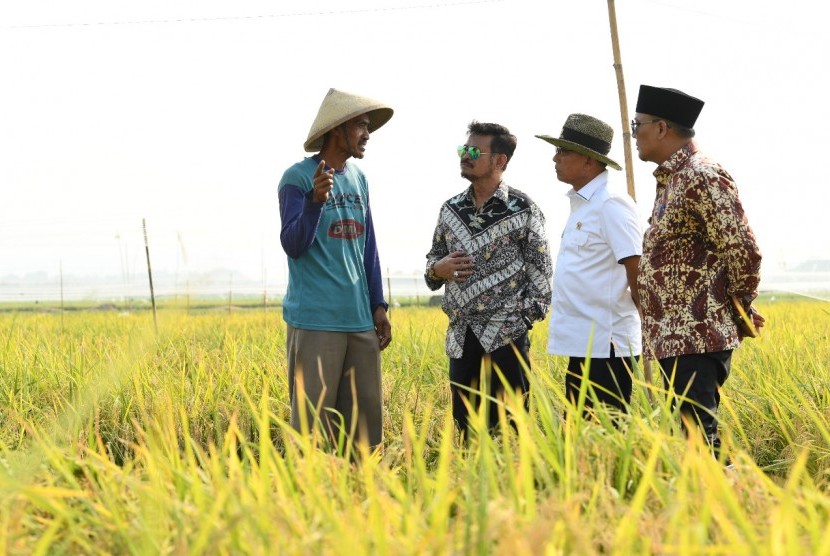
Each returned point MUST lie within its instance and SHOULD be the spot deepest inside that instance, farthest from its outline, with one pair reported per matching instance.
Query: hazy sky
(186, 114)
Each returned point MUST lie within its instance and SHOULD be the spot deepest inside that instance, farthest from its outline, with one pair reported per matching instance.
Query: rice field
(118, 440)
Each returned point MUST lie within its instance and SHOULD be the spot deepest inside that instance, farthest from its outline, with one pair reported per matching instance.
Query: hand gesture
(323, 183)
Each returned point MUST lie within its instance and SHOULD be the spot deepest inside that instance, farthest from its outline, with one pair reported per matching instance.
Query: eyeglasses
(635, 125)
(563, 150)
(474, 152)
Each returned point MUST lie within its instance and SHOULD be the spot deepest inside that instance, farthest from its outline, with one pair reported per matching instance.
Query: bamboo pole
(150, 275)
(389, 287)
(629, 167)
(615, 45)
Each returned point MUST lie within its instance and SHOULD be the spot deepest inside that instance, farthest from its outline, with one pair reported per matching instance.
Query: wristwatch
(431, 271)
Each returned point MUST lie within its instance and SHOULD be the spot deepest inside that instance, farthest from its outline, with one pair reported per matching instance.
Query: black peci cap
(671, 104)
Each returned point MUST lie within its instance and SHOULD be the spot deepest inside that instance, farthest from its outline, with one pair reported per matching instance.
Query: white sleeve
(621, 224)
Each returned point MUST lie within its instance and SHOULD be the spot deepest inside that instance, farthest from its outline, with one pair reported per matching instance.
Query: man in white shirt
(594, 317)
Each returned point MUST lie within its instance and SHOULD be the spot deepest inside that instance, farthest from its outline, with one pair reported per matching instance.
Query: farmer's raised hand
(323, 182)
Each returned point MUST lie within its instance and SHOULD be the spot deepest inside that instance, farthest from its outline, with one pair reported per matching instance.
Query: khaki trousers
(333, 375)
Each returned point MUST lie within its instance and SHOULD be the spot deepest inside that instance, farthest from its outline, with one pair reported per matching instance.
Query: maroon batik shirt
(697, 251)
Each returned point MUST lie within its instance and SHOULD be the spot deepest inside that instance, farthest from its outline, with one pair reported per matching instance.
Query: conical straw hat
(339, 107)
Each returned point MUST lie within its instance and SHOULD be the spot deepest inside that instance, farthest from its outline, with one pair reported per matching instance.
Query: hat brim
(378, 116)
(570, 145)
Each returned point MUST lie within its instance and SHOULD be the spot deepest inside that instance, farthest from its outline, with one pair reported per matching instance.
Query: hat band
(593, 143)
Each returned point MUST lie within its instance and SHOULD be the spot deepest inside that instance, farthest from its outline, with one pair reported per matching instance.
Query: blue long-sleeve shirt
(334, 280)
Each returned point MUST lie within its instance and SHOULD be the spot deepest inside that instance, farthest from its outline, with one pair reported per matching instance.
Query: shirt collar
(316, 158)
(677, 160)
(501, 193)
(589, 189)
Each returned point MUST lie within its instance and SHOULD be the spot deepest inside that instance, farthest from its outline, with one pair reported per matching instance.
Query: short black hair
(681, 130)
(501, 142)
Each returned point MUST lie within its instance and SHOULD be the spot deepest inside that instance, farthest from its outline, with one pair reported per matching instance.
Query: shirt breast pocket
(576, 239)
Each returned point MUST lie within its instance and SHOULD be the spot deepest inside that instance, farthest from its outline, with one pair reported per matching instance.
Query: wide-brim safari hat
(586, 135)
(339, 107)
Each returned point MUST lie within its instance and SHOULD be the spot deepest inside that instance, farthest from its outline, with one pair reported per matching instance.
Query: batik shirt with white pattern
(510, 287)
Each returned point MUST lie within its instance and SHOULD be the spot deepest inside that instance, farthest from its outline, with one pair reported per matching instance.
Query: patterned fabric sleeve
(728, 229)
(538, 267)
(438, 251)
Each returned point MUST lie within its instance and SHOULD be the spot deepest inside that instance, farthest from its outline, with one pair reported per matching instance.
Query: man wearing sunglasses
(699, 254)
(594, 304)
(490, 252)
(334, 310)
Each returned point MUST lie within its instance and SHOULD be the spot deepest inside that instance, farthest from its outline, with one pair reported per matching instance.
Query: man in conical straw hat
(334, 307)
(594, 319)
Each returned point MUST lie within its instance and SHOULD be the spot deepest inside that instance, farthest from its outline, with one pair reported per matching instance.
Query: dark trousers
(466, 372)
(697, 378)
(609, 377)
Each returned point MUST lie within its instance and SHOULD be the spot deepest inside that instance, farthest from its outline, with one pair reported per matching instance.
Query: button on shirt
(591, 302)
(510, 284)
